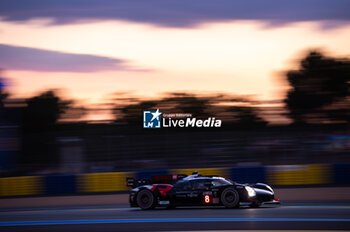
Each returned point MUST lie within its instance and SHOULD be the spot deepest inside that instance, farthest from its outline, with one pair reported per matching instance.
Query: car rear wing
(157, 179)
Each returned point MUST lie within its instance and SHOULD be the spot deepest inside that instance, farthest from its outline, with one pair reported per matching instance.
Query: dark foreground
(119, 217)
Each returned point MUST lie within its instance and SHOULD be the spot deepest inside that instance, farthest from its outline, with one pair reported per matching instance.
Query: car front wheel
(230, 198)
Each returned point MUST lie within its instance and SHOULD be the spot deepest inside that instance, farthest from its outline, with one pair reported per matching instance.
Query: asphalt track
(323, 215)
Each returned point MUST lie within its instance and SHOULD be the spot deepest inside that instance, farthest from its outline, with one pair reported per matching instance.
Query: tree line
(319, 93)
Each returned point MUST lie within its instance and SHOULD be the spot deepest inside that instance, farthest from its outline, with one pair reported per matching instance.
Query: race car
(197, 190)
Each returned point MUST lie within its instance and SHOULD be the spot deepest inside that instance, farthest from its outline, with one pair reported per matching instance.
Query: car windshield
(183, 185)
(220, 182)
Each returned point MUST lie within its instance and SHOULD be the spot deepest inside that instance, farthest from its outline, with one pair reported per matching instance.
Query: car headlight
(269, 188)
(251, 191)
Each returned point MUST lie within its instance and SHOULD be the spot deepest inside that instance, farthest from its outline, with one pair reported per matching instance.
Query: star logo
(156, 115)
(151, 119)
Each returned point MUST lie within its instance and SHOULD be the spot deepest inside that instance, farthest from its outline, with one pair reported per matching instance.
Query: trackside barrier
(103, 182)
(149, 174)
(248, 174)
(341, 173)
(299, 174)
(60, 184)
(20, 186)
(204, 171)
(282, 175)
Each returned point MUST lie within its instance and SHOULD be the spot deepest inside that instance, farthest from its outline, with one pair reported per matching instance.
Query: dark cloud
(176, 13)
(24, 58)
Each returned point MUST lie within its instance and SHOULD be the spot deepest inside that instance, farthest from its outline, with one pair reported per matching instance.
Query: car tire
(230, 198)
(145, 199)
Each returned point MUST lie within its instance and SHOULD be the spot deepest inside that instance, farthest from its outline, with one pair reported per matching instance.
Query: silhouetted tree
(319, 89)
(43, 111)
(198, 106)
(246, 116)
(39, 147)
(3, 94)
(132, 113)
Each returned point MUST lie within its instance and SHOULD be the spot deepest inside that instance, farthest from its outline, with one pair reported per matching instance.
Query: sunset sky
(91, 49)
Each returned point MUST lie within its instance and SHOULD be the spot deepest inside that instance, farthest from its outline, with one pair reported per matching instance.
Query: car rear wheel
(230, 198)
(145, 199)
